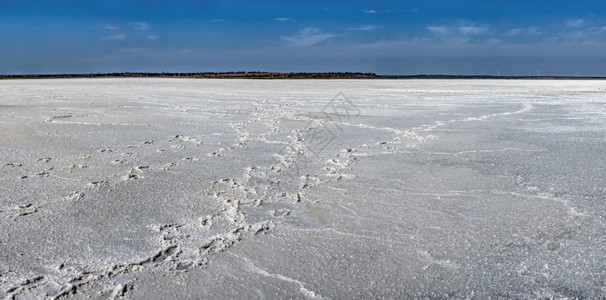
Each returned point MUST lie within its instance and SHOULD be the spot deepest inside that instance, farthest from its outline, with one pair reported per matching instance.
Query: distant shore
(275, 75)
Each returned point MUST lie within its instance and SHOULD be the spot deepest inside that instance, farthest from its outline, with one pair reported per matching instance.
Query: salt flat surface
(174, 188)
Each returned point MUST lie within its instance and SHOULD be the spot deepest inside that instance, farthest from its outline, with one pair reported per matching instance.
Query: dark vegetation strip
(273, 75)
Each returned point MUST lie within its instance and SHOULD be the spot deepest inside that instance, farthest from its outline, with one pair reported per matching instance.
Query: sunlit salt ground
(174, 188)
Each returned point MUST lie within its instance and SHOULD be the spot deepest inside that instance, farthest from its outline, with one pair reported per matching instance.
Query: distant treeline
(276, 75)
(226, 75)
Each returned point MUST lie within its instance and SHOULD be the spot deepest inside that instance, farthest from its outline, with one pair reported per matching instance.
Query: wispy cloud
(472, 30)
(493, 41)
(532, 31)
(153, 37)
(283, 19)
(578, 35)
(109, 27)
(139, 26)
(582, 35)
(217, 21)
(514, 32)
(376, 12)
(308, 37)
(439, 30)
(575, 23)
(460, 33)
(116, 37)
(363, 28)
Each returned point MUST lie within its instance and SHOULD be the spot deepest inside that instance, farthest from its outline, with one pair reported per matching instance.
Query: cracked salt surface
(162, 188)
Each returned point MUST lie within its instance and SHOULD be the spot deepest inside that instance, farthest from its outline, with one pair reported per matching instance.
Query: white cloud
(109, 27)
(456, 40)
(139, 26)
(472, 30)
(532, 31)
(363, 28)
(282, 19)
(578, 35)
(375, 12)
(116, 37)
(217, 20)
(308, 37)
(439, 30)
(153, 37)
(514, 32)
(493, 41)
(461, 35)
(575, 23)
(455, 31)
(457, 35)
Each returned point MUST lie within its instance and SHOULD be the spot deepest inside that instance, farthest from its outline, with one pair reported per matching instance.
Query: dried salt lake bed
(177, 188)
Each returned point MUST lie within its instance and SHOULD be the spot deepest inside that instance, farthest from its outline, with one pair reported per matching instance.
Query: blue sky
(512, 37)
